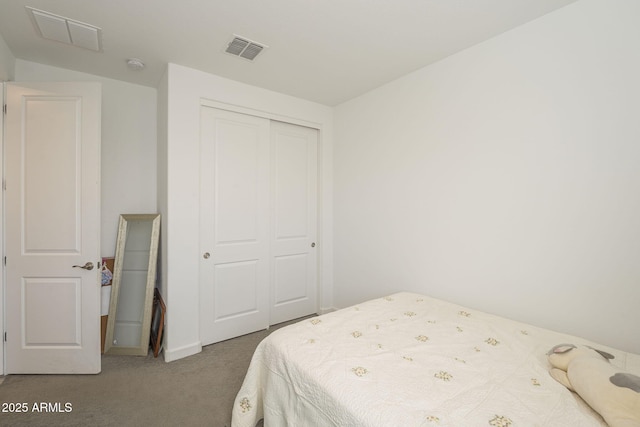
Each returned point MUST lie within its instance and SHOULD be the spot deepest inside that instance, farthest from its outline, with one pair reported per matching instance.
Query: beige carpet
(137, 391)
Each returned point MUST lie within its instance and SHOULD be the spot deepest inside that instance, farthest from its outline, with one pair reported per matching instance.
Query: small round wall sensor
(135, 64)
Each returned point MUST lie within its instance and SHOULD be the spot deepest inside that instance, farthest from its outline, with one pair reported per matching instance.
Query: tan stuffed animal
(613, 394)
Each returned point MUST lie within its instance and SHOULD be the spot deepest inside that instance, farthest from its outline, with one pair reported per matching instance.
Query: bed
(411, 360)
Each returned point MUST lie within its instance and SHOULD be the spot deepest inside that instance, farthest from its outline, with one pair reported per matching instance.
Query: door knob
(206, 255)
(87, 266)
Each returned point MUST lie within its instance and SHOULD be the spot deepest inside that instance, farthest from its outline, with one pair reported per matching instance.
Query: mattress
(411, 360)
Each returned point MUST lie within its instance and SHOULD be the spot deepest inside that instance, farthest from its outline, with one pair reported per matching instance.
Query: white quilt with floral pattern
(411, 360)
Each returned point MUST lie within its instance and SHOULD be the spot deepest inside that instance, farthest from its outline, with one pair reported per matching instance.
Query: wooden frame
(134, 277)
(157, 322)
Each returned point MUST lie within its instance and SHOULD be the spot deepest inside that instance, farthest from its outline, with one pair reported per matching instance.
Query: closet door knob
(313, 244)
(206, 255)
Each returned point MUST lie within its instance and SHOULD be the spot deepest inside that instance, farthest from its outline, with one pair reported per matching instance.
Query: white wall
(179, 182)
(7, 62)
(505, 178)
(129, 145)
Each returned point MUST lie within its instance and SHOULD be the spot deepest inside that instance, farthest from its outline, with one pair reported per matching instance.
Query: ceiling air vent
(244, 48)
(65, 30)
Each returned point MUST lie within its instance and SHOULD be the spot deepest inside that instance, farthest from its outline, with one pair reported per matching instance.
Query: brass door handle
(87, 266)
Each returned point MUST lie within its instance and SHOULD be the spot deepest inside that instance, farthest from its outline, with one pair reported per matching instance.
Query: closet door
(234, 224)
(294, 172)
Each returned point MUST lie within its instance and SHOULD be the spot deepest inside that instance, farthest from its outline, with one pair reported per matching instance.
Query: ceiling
(327, 51)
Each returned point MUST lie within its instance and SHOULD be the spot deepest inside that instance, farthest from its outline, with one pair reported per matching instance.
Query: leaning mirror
(134, 276)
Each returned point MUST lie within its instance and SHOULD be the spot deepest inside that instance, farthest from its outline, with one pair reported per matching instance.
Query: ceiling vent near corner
(65, 30)
(244, 48)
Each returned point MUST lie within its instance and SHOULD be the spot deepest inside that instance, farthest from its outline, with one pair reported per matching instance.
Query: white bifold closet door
(258, 223)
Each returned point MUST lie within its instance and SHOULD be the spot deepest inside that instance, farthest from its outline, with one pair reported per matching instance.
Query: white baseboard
(178, 353)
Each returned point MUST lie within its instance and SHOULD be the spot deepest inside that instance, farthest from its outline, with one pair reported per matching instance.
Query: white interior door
(234, 224)
(2, 366)
(52, 201)
(294, 172)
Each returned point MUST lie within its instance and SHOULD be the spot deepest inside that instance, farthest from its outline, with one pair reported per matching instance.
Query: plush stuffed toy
(613, 394)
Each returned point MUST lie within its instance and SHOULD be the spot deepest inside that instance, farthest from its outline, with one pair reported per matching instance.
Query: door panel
(237, 183)
(52, 196)
(59, 230)
(39, 330)
(234, 280)
(294, 218)
(290, 272)
(234, 203)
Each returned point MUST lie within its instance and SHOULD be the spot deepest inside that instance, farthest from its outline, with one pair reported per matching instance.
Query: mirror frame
(142, 348)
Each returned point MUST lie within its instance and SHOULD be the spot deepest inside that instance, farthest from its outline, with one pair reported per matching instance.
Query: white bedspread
(411, 360)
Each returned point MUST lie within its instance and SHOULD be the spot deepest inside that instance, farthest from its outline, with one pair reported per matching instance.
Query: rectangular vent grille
(65, 30)
(244, 48)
